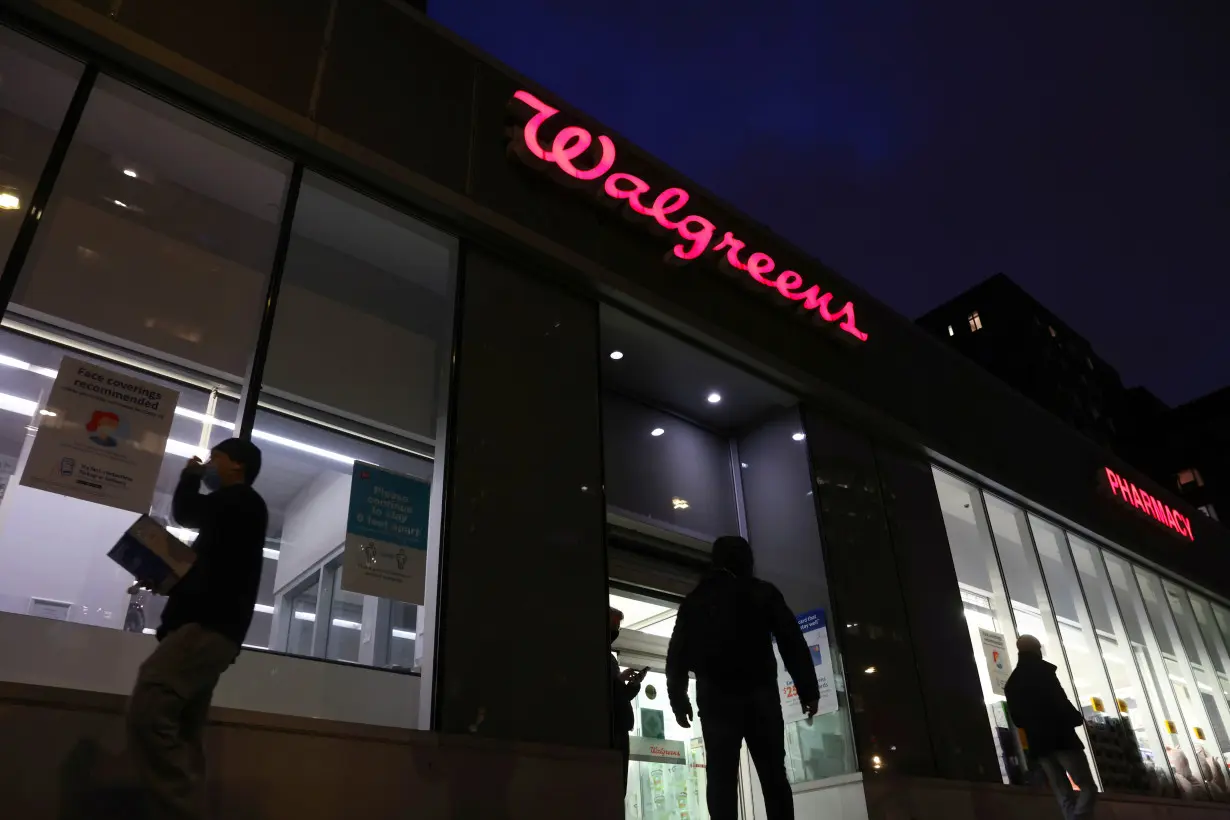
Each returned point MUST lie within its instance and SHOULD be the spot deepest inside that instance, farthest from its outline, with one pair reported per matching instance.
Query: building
(1000, 326)
(1188, 449)
(426, 287)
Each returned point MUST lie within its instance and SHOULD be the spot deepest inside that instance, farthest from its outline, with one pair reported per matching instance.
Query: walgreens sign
(1129, 493)
(590, 161)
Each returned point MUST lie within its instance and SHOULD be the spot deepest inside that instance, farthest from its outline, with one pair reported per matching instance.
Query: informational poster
(656, 750)
(101, 437)
(386, 534)
(816, 633)
(995, 650)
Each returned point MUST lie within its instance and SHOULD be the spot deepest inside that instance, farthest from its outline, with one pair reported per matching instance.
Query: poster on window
(101, 437)
(995, 652)
(386, 534)
(816, 633)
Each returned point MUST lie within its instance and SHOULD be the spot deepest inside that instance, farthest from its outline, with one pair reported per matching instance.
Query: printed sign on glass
(386, 534)
(816, 633)
(995, 652)
(101, 437)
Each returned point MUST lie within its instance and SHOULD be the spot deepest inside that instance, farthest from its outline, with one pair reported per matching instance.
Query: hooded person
(1041, 709)
(724, 635)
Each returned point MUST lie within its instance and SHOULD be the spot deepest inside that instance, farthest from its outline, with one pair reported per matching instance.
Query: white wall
(314, 524)
(44, 652)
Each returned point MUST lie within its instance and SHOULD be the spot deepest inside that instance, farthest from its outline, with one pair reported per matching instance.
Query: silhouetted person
(625, 686)
(203, 626)
(724, 634)
(1039, 706)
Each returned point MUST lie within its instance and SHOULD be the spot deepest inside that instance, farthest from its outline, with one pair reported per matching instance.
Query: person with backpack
(724, 634)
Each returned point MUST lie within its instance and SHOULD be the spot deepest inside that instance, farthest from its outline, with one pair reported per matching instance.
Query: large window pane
(984, 601)
(357, 372)
(36, 86)
(1148, 656)
(1031, 606)
(1199, 696)
(1141, 764)
(169, 222)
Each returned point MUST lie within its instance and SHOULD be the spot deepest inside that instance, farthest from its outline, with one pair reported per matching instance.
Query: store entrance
(667, 773)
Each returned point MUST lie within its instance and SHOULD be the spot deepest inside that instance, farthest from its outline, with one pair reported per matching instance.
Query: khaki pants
(166, 719)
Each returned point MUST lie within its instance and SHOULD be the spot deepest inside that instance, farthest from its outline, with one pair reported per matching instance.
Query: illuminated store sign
(574, 144)
(1129, 493)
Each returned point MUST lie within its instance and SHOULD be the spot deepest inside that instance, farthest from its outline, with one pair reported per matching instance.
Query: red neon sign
(574, 143)
(1129, 493)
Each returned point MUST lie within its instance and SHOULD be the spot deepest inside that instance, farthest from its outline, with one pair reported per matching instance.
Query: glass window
(984, 602)
(355, 387)
(146, 190)
(1128, 726)
(35, 90)
(1031, 606)
(1200, 697)
(975, 321)
(1149, 657)
(53, 548)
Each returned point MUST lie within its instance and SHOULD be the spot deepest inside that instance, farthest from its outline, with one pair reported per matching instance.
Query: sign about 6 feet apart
(386, 534)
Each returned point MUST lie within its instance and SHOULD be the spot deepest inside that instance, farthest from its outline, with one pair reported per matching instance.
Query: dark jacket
(623, 694)
(220, 590)
(724, 634)
(1038, 704)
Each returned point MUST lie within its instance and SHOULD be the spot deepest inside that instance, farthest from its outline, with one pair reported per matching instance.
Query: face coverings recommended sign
(995, 652)
(101, 437)
(816, 633)
(386, 534)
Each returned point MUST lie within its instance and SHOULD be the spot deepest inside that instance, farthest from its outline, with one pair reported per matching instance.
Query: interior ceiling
(666, 372)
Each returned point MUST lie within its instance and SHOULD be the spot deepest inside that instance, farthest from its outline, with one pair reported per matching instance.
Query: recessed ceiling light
(46, 412)
(121, 204)
(9, 202)
(743, 464)
(128, 172)
(870, 670)
(714, 398)
(679, 503)
(617, 355)
(657, 431)
(798, 436)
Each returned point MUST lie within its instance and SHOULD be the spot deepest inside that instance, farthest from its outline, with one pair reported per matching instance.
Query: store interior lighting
(798, 436)
(617, 355)
(657, 431)
(714, 398)
(9, 202)
(26, 407)
(128, 172)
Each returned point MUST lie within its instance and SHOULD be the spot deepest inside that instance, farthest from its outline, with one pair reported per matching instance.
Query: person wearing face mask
(203, 626)
(625, 686)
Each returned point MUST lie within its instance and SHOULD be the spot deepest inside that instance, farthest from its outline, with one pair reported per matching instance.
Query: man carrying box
(203, 626)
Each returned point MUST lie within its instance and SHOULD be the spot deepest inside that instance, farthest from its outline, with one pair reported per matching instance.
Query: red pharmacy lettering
(1129, 493)
(573, 144)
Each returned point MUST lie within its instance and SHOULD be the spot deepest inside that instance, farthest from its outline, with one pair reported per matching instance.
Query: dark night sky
(917, 147)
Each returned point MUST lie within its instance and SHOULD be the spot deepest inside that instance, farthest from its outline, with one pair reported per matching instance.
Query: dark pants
(727, 720)
(622, 743)
(166, 719)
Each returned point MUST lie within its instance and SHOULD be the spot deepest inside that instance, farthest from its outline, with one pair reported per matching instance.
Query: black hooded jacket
(725, 630)
(1038, 704)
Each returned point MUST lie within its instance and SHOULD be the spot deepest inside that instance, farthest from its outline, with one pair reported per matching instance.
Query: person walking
(625, 686)
(1039, 707)
(203, 626)
(724, 634)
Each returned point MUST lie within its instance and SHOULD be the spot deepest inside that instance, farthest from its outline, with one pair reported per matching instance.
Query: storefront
(566, 370)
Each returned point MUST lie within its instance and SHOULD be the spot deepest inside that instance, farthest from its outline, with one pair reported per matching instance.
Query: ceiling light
(273, 555)
(680, 503)
(617, 355)
(263, 608)
(657, 431)
(743, 464)
(799, 436)
(128, 172)
(121, 204)
(345, 624)
(46, 412)
(9, 202)
(404, 634)
(714, 398)
(870, 670)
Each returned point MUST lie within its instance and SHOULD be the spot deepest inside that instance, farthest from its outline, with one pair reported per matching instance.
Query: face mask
(211, 479)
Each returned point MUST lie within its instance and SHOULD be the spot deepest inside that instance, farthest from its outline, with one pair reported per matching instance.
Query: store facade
(573, 369)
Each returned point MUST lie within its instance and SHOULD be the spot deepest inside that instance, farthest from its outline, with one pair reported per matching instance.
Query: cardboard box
(152, 555)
